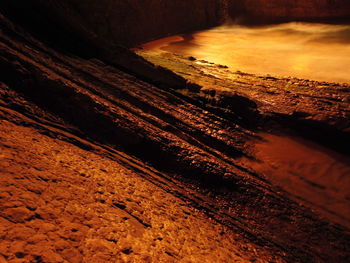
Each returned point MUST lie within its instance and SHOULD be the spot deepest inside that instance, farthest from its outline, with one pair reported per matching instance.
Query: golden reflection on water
(304, 50)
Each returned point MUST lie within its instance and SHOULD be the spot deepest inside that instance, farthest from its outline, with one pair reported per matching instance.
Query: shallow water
(311, 174)
(304, 50)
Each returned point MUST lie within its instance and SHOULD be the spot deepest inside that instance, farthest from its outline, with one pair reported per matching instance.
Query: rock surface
(301, 104)
(98, 165)
(300, 112)
(289, 10)
(61, 203)
(124, 22)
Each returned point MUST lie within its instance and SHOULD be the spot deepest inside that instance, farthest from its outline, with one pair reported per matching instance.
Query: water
(304, 50)
(313, 175)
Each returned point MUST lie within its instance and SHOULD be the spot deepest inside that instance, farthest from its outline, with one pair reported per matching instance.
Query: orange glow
(310, 51)
(314, 175)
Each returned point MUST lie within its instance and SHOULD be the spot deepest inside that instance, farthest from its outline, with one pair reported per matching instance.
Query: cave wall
(286, 10)
(135, 21)
(131, 22)
(127, 22)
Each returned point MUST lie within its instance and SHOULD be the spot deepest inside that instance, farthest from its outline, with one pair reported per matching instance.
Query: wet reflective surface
(311, 174)
(304, 50)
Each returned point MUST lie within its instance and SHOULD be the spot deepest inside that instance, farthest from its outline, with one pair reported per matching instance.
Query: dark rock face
(128, 22)
(286, 10)
(102, 29)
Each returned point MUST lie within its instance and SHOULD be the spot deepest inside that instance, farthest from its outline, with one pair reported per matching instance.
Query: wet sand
(303, 50)
(312, 174)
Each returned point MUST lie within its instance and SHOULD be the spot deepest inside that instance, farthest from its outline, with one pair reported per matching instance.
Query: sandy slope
(61, 203)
